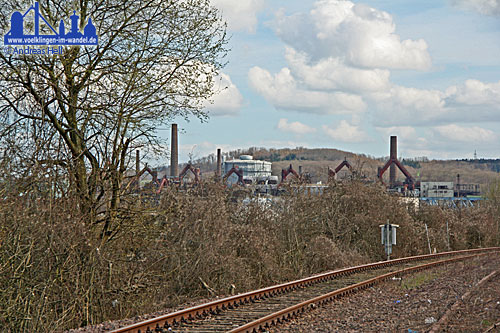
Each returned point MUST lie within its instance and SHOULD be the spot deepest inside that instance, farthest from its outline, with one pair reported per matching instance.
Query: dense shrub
(57, 272)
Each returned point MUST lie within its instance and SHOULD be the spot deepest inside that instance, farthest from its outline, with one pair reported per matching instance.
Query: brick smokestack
(174, 153)
(219, 163)
(394, 155)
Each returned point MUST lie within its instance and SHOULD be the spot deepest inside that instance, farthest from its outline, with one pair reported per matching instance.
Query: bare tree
(86, 109)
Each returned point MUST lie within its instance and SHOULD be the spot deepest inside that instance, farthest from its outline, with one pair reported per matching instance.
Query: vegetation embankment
(57, 272)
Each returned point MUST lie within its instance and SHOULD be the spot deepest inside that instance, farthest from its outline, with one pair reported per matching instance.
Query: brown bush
(57, 273)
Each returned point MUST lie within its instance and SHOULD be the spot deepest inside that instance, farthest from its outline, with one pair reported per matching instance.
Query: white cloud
(228, 99)
(202, 149)
(339, 55)
(402, 132)
(474, 92)
(295, 127)
(332, 74)
(417, 146)
(339, 59)
(452, 140)
(283, 91)
(405, 106)
(360, 35)
(473, 101)
(472, 134)
(240, 14)
(345, 132)
(486, 7)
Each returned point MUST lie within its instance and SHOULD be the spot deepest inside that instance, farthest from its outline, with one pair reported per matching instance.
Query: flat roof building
(252, 169)
(436, 189)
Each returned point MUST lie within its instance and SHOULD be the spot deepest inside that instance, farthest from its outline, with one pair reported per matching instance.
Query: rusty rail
(219, 305)
(292, 311)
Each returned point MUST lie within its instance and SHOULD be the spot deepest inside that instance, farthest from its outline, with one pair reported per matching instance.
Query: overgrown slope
(56, 272)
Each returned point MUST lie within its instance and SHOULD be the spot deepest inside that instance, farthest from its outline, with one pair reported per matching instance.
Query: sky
(349, 74)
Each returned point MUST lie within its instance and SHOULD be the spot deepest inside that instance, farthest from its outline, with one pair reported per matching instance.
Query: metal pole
(428, 240)
(448, 235)
(388, 242)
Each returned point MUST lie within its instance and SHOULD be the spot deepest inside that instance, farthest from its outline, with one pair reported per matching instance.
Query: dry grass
(56, 273)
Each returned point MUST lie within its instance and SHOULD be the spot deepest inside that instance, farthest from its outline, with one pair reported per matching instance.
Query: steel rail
(288, 313)
(199, 311)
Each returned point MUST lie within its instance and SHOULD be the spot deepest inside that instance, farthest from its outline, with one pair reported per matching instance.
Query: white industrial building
(436, 189)
(252, 169)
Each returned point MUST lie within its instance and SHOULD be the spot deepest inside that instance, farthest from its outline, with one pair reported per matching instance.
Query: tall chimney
(174, 153)
(219, 164)
(394, 156)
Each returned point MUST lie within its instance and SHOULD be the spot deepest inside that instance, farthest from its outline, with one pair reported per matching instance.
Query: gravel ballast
(414, 303)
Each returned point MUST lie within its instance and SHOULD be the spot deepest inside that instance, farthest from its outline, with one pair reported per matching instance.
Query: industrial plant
(257, 177)
(252, 170)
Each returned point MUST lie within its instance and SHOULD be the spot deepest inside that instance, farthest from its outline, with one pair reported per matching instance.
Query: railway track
(259, 309)
(446, 318)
